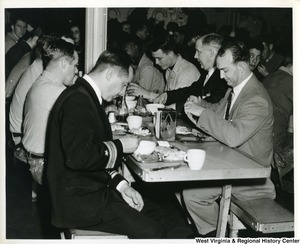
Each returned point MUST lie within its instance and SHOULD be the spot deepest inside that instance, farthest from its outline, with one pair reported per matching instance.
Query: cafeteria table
(221, 163)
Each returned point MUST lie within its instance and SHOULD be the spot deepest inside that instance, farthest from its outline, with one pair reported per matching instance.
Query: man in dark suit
(245, 122)
(210, 86)
(86, 190)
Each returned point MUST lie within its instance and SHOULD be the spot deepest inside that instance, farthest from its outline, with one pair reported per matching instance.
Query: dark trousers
(120, 218)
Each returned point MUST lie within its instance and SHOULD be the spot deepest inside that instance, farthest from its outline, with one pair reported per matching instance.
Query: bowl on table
(153, 107)
(145, 147)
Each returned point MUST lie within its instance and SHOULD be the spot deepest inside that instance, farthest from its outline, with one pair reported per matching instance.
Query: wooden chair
(89, 234)
(262, 215)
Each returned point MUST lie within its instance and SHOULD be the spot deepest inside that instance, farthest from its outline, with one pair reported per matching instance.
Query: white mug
(134, 122)
(195, 158)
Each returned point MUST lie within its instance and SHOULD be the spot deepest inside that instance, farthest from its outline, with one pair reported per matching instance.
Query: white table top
(221, 163)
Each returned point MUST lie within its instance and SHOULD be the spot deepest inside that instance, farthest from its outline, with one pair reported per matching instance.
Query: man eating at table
(210, 86)
(85, 189)
(243, 119)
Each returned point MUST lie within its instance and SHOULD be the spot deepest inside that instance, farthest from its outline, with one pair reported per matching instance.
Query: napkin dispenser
(165, 124)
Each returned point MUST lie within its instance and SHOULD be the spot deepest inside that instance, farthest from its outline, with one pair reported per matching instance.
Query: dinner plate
(143, 131)
(171, 155)
(183, 130)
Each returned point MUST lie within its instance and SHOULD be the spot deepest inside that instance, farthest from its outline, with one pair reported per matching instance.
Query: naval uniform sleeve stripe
(112, 154)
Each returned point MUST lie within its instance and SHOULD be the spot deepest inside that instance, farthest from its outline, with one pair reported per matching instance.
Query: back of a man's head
(43, 43)
(213, 40)
(117, 59)
(57, 49)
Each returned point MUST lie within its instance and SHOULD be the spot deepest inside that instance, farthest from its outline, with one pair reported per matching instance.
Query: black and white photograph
(140, 121)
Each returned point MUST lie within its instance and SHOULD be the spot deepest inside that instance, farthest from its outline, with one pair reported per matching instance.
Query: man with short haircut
(83, 158)
(178, 71)
(76, 35)
(59, 73)
(271, 60)
(22, 88)
(243, 119)
(18, 51)
(255, 49)
(210, 87)
(18, 30)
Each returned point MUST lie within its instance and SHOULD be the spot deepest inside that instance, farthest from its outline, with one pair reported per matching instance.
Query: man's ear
(63, 63)
(110, 73)
(242, 66)
(171, 54)
(212, 52)
(12, 27)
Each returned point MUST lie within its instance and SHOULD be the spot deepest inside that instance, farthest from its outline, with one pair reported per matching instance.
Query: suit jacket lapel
(210, 83)
(244, 92)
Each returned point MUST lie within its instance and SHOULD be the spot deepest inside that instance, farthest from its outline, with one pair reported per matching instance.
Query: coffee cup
(195, 158)
(134, 122)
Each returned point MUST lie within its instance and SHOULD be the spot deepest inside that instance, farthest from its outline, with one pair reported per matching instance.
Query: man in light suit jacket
(83, 159)
(248, 127)
(210, 86)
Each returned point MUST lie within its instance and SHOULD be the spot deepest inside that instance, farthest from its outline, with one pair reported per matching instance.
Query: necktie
(206, 79)
(228, 105)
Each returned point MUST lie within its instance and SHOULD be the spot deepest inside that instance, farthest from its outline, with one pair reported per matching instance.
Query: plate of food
(183, 130)
(147, 158)
(161, 154)
(142, 131)
(119, 128)
(170, 153)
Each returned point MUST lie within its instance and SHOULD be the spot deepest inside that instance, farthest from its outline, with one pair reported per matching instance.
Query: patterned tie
(228, 105)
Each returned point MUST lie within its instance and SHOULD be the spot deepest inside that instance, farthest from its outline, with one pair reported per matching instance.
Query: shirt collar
(211, 71)
(237, 89)
(94, 86)
(174, 67)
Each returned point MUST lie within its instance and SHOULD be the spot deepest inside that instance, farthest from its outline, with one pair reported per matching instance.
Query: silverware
(167, 167)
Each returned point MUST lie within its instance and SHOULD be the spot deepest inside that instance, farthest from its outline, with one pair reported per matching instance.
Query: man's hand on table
(132, 197)
(194, 99)
(129, 143)
(193, 108)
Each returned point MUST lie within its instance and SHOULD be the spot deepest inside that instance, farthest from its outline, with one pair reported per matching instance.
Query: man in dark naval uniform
(86, 190)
